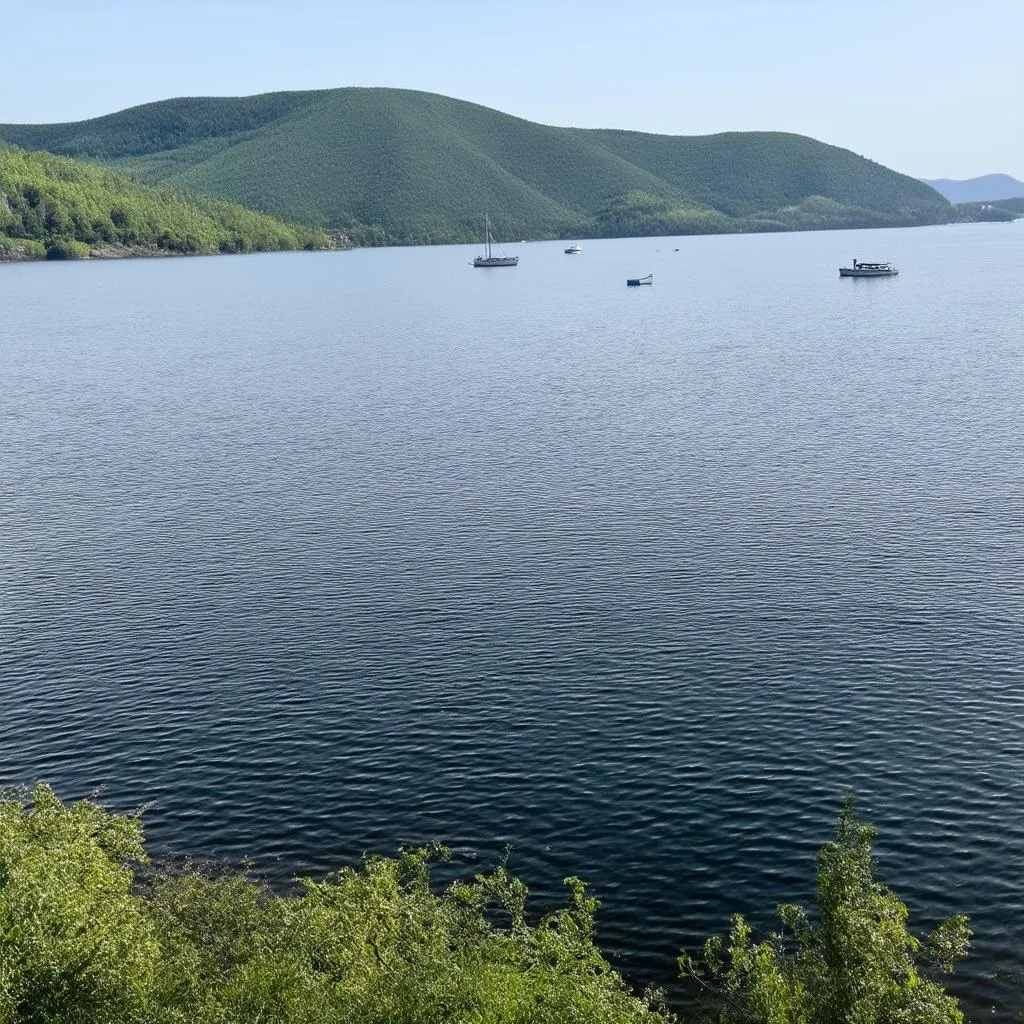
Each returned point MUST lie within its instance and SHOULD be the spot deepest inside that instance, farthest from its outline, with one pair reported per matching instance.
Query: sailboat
(488, 260)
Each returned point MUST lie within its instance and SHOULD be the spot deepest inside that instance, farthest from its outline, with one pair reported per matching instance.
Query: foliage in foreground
(82, 941)
(854, 962)
(85, 941)
(58, 208)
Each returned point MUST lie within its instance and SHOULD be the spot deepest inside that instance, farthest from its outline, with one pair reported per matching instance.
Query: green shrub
(75, 943)
(21, 248)
(66, 249)
(83, 942)
(851, 961)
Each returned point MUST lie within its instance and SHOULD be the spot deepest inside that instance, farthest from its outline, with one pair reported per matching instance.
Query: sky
(935, 90)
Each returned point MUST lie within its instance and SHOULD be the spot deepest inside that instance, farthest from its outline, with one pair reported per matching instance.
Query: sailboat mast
(488, 259)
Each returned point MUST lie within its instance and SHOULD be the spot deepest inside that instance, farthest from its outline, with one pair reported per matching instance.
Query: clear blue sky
(931, 89)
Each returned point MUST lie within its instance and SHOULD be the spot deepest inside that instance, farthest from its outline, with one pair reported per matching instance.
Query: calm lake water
(318, 554)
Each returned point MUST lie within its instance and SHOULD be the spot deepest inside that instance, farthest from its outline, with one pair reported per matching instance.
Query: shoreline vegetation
(90, 933)
(56, 208)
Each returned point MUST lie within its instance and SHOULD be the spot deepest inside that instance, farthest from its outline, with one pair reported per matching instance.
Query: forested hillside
(58, 208)
(393, 165)
(1002, 210)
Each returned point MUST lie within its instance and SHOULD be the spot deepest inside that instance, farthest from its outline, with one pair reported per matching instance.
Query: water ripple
(640, 590)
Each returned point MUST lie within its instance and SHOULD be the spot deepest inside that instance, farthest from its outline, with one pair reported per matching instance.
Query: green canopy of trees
(61, 208)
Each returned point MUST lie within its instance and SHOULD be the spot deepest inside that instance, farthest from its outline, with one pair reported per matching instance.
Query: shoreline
(116, 251)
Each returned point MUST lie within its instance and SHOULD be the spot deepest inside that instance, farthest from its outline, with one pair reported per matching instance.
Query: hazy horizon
(914, 88)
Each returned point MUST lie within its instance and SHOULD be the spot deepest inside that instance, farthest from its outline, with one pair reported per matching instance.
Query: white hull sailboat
(489, 260)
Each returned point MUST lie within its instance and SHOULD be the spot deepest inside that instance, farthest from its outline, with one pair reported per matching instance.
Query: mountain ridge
(392, 165)
(988, 188)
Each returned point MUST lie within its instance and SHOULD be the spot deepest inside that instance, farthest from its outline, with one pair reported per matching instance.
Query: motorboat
(861, 269)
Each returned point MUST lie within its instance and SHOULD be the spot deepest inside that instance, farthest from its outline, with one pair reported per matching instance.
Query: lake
(318, 554)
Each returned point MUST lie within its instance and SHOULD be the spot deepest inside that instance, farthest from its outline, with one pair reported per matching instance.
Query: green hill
(398, 165)
(61, 208)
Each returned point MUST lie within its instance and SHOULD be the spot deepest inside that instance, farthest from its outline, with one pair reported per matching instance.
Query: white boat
(573, 249)
(860, 269)
(488, 260)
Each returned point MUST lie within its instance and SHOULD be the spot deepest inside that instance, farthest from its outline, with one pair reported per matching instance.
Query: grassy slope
(425, 167)
(58, 207)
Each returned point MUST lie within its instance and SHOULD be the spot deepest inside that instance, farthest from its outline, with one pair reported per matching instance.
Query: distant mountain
(986, 189)
(390, 165)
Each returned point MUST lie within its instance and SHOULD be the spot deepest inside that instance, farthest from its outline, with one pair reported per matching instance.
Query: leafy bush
(853, 962)
(90, 935)
(81, 941)
(21, 249)
(66, 249)
(75, 943)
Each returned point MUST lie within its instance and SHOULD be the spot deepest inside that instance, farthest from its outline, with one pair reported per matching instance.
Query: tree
(854, 962)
